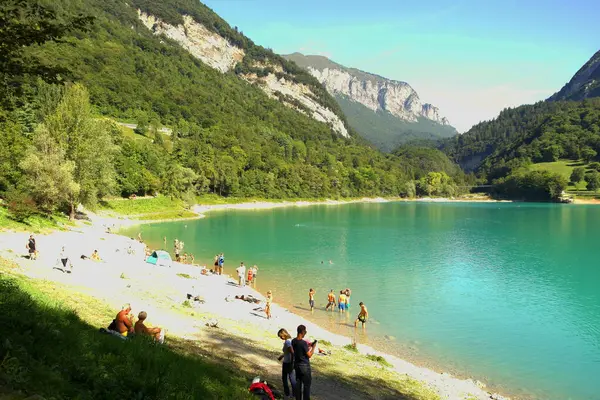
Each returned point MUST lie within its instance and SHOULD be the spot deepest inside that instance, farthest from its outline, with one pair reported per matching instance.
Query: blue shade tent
(160, 257)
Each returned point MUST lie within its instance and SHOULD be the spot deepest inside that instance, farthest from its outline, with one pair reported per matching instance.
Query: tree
(86, 143)
(593, 181)
(25, 23)
(578, 174)
(588, 154)
(48, 175)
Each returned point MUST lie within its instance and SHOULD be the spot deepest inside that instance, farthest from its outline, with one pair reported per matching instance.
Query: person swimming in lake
(363, 315)
(311, 299)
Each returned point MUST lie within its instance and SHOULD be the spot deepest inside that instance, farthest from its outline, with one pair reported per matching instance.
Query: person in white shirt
(241, 271)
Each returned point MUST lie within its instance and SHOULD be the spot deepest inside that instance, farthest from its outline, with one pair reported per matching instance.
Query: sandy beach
(162, 292)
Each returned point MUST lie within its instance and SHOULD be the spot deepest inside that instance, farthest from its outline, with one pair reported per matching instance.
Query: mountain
(243, 120)
(584, 84)
(385, 112)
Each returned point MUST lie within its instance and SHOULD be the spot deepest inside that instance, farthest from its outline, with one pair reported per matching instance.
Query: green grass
(351, 347)
(564, 168)
(35, 223)
(51, 347)
(143, 205)
(186, 276)
(379, 359)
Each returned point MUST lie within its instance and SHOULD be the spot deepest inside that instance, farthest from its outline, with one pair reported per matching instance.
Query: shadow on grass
(329, 380)
(577, 164)
(49, 351)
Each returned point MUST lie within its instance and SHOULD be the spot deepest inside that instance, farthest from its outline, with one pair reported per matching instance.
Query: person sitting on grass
(124, 320)
(141, 329)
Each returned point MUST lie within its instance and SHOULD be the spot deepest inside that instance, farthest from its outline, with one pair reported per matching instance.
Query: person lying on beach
(268, 305)
(141, 329)
(330, 301)
(249, 298)
(363, 315)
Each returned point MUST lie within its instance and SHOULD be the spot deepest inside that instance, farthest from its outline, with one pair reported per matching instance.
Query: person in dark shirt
(302, 354)
(31, 247)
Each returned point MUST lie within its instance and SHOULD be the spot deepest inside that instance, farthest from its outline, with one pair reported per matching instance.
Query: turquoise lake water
(505, 293)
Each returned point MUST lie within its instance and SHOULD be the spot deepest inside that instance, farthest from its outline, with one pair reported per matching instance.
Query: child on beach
(250, 275)
(342, 301)
(311, 299)
(268, 305)
(330, 300)
(287, 367)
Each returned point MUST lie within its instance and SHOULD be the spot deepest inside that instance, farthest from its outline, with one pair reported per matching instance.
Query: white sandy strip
(157, 289)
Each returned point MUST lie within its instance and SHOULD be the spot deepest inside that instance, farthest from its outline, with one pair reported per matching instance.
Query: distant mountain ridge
(584, 84)
(394, 107)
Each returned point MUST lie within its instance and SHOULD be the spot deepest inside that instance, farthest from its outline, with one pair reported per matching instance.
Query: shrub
(381, 360)
(20, 205)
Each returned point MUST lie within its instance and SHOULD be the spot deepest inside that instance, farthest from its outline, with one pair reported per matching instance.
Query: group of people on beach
(295, 367)
(246, 277)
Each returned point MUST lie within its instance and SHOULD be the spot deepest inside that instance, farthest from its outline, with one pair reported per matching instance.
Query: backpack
(263, 390)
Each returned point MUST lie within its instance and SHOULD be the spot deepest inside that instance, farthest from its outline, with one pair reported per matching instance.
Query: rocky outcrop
(220, 54)
(209, 47)
(585, 83)
(372, 91)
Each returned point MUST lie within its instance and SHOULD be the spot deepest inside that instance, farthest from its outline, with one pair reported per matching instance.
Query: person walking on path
(287, 367)
(31, 248)
(311, 299)
(302, 354)
(268, 304)
(342, 301)
(241, 271)
(330, 300)
(363, 315)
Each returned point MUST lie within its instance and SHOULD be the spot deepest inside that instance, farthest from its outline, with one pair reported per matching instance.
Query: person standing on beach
(311, 299)
(221, 263)
(342, 301)
(31, 248)
(302, 354)
(250, 276)
(241, 271)
(363, 315)
(268, 304)
(330, 300)
(287, 367)
(254, 274)
(176, 249)
(165, 242)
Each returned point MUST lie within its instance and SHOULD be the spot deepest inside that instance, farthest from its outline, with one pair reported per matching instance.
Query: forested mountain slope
(385, 112)
(229, 136)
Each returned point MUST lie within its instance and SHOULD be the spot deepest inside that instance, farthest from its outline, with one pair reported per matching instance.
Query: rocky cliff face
(219, 53)
(372, 91)
(585, 83)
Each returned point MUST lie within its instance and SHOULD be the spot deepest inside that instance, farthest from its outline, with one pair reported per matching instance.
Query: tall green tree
(49, 176)
(86, 143)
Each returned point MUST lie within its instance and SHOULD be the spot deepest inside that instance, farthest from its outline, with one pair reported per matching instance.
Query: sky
(469, 58)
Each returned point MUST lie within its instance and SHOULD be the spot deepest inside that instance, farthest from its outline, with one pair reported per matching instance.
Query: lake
(505, 293)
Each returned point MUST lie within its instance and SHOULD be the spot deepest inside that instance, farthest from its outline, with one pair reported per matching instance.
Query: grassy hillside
(385, 131)
(51, 347)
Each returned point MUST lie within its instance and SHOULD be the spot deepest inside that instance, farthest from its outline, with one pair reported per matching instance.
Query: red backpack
(261, 389)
